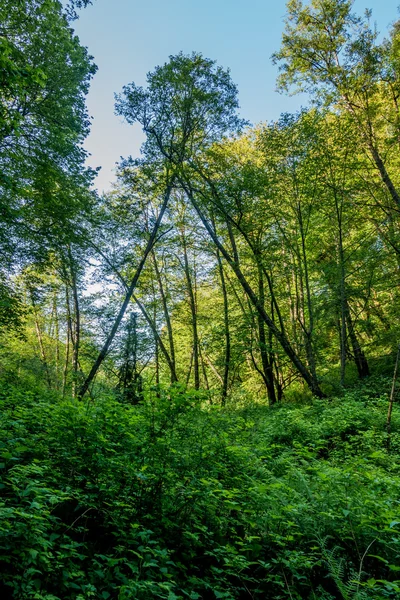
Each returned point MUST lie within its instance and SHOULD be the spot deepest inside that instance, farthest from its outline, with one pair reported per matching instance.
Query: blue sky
(128, 38)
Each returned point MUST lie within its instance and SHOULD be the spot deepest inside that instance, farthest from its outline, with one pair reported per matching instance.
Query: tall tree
(183, 82)
(329, 51)
(133, 283)
(44, 184)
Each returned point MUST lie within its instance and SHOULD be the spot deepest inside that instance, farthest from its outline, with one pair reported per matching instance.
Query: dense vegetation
(170, 500)
(196, 367)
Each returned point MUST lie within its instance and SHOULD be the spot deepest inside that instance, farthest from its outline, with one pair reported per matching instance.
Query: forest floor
(178, 499)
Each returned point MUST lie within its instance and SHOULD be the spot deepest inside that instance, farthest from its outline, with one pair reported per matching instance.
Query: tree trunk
(57, 336)
(264, 350)
(40, 342)
(172, 360)
(203, 368)
(157, 359)
(158, 338)
(369, 138)
(278, 334)
(392, 397)
(227, 360)
(67, 346)
(343, 306)
(107, 344)
(189, 371)
(384, 174)
(77, 325)
(193, 313)
(308, 328)
(359, 356)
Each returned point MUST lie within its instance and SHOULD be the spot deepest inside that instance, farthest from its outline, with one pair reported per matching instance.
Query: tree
(173, 134)
(147, 250)
(44, 184)
(130, 380)
(189, 103)
(333, 54)
(233, 193)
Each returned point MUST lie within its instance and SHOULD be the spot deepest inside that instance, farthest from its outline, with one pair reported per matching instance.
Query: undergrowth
(173, 499)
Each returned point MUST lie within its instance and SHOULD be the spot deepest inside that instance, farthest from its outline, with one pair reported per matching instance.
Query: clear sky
(128, 38)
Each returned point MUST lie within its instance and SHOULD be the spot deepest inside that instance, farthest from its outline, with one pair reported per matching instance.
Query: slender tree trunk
(290, 278)
(203, 368)
(343, 311)
(190, 370)
(212, 367)
(264, 350)
(158, 338)
(111, 335)
(77, 325)
(309, 328)
(391, 399)
(40, 342)
(157, 351)
(172, 360)
(297, 333)
(193, 313)
(129, 378)
(51, 324)
(67, 345)
(338, 199)
(279, 335)
(70, 328)
(359, 356)
(157, 359)
(226, 331)
(57, 336)
(273, 359)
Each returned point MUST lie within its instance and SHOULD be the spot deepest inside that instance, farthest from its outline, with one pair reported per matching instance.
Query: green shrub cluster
(174, 500)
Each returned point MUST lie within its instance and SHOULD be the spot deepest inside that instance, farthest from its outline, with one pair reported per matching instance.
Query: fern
(350, 588)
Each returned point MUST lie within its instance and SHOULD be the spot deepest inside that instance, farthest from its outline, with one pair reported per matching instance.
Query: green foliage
(188, 104)
(177, 497)
(12, 309)
(44, 183)
(170, 499)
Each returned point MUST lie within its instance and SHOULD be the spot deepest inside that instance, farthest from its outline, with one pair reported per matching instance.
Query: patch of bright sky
(128, 38)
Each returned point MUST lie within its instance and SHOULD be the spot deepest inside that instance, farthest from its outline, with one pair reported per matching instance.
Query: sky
(128, 38)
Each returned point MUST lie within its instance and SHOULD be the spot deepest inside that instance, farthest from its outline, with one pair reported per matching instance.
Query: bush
(171, 499)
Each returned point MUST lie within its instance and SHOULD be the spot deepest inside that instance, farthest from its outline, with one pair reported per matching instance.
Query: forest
(198, 368)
